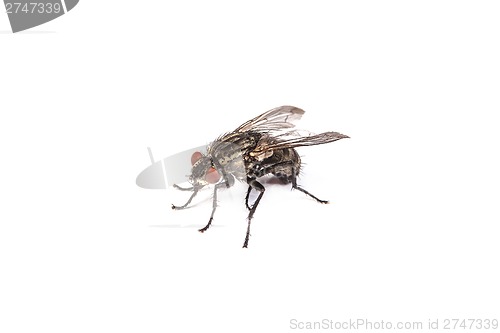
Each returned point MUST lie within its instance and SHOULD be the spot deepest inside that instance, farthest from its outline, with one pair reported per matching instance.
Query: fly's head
(203, 171)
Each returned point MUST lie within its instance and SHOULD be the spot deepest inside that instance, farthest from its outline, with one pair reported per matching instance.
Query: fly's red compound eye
(195, 157)
(212, 176)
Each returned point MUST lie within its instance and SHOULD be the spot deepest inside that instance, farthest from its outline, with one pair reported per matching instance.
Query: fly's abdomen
(285, 164)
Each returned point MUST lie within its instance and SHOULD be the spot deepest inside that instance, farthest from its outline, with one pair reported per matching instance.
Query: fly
(261, 146)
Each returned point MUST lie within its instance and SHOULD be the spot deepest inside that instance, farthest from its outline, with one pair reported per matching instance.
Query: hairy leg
(259, 187)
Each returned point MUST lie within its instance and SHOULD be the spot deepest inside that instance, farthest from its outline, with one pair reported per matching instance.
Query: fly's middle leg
(248, 195)
(259, 187)
(255, 171)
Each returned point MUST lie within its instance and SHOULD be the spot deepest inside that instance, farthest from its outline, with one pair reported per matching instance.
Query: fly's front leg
(222, 170)
(183, 188)
(214, 202)
(195, 191)
(259, 187)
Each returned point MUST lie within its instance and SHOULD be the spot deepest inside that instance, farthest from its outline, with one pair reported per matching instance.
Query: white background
(412, 229)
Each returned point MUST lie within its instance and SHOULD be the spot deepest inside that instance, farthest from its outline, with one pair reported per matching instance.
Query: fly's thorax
(229, 155)
(228, 158)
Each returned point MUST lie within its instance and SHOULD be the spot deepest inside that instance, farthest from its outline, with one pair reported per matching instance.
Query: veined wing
(267, 145)
(275, 119)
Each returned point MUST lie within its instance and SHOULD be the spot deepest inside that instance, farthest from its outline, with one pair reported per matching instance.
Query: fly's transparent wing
(280, 118)
(268, 144)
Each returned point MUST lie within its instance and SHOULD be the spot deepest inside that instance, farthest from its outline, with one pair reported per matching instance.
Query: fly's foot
(245, 244)
(205, 228)
(174, 207)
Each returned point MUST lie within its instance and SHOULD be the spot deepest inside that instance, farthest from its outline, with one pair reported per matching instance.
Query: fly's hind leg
(297, 187)
(286, 172)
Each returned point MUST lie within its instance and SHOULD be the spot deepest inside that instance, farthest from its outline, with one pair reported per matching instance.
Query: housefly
(264, 145)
